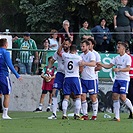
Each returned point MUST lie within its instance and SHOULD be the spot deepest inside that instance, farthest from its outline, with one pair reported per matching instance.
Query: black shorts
(46, 91)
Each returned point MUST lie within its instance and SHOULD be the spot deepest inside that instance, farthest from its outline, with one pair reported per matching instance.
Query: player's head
(92, 43)
(121, 47)
(124, 2)
(66, 44)
(73, 49)
(3, 43)
(85, 46)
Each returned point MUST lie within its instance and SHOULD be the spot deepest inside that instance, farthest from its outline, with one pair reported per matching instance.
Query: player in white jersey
(88, 80)
(72, 82)
(59, 78)
(122, 64)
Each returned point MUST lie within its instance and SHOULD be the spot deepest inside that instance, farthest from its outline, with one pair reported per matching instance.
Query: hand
(81, 63)
(20, 78)
(127, 14)
(116, 69)
(105, 38)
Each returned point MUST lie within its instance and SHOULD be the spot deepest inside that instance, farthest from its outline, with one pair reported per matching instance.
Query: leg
(65, 105)
(28, 67)
(84, 104)
(6, 105)
(22, 68)
(50, 101)
(94, 106)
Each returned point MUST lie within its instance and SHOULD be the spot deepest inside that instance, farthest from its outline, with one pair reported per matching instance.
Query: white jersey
(71, 64)
(60, 61)
(122, 62)
(98, 59)
(88, 72)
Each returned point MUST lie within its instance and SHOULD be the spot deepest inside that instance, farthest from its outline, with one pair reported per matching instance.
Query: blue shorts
(120, 86)
(90, 86)
(58, 81)
(72, 84)
(5, 85)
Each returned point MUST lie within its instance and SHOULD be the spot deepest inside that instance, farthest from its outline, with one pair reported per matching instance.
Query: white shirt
(71, 64)
(60, 61)
(98, 59)
(88, 72)
(122, 62)
(53, 41)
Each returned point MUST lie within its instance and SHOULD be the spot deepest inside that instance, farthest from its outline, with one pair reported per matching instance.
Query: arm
(10, 65)
(108, 66)
(98, 67)
(115, 24)
(129, 16)
(127, 69)
(59, 50)
(91, 64)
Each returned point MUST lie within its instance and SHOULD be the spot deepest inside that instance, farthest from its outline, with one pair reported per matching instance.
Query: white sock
(5, 111)
(54, 104)
(84, 107)
(129, 104)
(116, 105)
(78, 105)
(40, 106)
(95, 107)
(64, 106)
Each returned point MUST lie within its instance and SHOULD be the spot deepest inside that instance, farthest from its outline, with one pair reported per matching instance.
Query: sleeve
(10, 65)
(92, 57)
(44, 70)
(129, 61)
(55, 56)
(34, 46)
(98, 58)
(113, 61)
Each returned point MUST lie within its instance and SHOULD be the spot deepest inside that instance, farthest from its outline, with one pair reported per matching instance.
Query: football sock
(40, 106)
(116, 105)
(5, 111)
(129, 104)
(54, 104)
(84, 107)
(78, 105)
(64, 106)
(95, 107)
(74, 106)
(0, 103)
(49, 105)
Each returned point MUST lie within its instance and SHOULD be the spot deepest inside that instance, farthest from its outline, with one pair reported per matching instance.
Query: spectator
(102, 36)
(26, 57)
(53, 40)
(65, 32)
(122, 22)
(84, 32)
(48, 76)
(42, 55)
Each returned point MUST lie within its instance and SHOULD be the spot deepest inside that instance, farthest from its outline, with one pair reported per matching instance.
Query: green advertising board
(105, 58)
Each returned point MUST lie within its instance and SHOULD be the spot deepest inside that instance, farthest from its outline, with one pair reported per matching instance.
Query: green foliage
(108, 8)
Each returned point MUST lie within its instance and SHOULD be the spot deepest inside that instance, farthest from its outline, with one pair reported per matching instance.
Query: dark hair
(92, 41)
(3, 41)
(125, 44)
(26, 34)
(102, 20)
(45, 40)
(73, 48)
(49, 58)
(68, 39)
(85, 41)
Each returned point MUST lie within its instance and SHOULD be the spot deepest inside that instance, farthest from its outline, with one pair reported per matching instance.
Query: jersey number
(70, 65)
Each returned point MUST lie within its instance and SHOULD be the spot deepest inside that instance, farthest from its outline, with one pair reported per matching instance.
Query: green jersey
(25, 45)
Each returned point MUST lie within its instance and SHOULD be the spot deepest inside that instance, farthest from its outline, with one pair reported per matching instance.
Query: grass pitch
(30, 122)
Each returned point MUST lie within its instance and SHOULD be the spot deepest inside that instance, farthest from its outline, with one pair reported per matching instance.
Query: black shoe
(64, 117)
(48, 109)
(38, 110)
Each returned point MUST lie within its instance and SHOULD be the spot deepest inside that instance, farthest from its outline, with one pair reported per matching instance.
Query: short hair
(26, 34)
(49, 58)
(66, 21)
(53, 31)
(45, 40)
(85, 41)
(123, 44)
(92, 41)
(68, 39)
(3, 41)
(73, 48)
